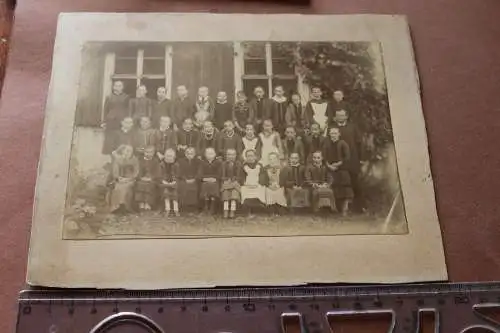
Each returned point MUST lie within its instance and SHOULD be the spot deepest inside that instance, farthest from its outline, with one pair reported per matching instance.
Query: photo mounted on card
(255, 146)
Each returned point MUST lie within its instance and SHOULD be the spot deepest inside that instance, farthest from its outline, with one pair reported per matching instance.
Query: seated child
(229, 139)
(168, 184)
(187, 137)
(271, 142)
(293, 144)
(270, 178)
(337, 156)
(251, 142)
(145, 187)
(144, 136)
(166, 137)
(209, 137)
(253, 194)
(209, 175)
(188, 182)
(319, 179)
(293, 181)
(231, 183)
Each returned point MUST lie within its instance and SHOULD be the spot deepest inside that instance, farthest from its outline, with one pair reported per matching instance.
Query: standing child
(271, 178)
(209, 175)
(145, 187)
(161, 107)
(187, 137)
(144, 136)
(337, 158)
(293, 181)
(115, 110)
(182, 106)
(223, 110)
(209, 137)
(294, 114)
(314, 141)
(241, 112)
(293, 144)
(319, 179)
(169, 175)
(229, 139)
(251, 142)
(271, 142)
(279, 104)
(188, 179)
(166, 137)
(141, 105)
(253, 194)
(231, 183)
(318, 110)
(204, 108)
(260, 108)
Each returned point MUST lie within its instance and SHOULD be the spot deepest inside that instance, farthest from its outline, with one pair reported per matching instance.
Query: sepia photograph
(224, 139)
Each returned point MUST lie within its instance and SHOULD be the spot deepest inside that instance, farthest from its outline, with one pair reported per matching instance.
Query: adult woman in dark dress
(125, 169)
(115, 109)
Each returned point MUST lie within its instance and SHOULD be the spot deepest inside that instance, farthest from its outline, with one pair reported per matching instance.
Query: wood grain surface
(458, 57)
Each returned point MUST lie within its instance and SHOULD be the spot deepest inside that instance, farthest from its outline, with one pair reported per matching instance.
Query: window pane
(283, 50)
(255, 50)
(155, 50)
(129, 86)
(154, 66)
(125, 66)
(283, 67)
(126, 51)
(255, 66)
(250, 84)
(289, 85)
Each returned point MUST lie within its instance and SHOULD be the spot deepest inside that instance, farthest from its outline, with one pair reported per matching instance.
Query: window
(268, 65)
(136, 65)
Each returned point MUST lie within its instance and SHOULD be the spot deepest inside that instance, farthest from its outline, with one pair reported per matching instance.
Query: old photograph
(240, 138)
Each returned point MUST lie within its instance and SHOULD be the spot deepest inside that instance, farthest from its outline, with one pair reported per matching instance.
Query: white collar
(281, 99)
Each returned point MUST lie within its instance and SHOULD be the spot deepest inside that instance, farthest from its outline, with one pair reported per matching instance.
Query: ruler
(457, 308)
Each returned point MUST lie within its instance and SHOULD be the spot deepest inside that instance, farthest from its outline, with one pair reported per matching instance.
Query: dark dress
(294, 146)
(189, 139)
(278, 112)
(209, 141)
(144, 138)
(222, 113)
(309, 114)
(293, 180)
(231, 177)
(227, 141)
(140, 107)
(334, 152)
(120, 137)
(160, 109)
(182, 109)
(123, 174)
(260, 109)
(145, 190)
(321, 196)
(313, 144)
(203, 111)
(210, 170)
(115, 109)
(294, 117)
(188, 192)
(165, 139)
(169, 173)
(242, 115)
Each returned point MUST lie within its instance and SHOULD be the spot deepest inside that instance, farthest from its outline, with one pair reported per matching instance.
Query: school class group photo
(259, 156)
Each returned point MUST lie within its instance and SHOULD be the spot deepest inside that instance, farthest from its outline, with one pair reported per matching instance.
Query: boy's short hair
(209, 149)
(342, 110)
(291, 127)
(273, 154)
(170, 151)
(230, 150)
(250, 151)
(229, 121)
(318, 152)
(294, 153)
(316, 86)
(191, 148)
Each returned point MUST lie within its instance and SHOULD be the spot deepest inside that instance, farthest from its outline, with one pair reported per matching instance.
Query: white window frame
(109, 73)
(240, 76)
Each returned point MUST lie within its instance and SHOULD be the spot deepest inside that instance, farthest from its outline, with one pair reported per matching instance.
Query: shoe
(226, 214)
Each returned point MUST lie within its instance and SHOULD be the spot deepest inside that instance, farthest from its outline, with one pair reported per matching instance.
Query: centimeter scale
(453, 307)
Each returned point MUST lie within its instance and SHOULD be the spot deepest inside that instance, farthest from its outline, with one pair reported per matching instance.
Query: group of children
(262, 153)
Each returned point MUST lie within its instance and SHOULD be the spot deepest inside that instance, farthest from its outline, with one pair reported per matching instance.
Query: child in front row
(231, 179)
(188, 179)
(168, 184)
(320, 180)
(209, 175)
(297, 195)
(145, 187)
(253, 194)
(271, 178)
